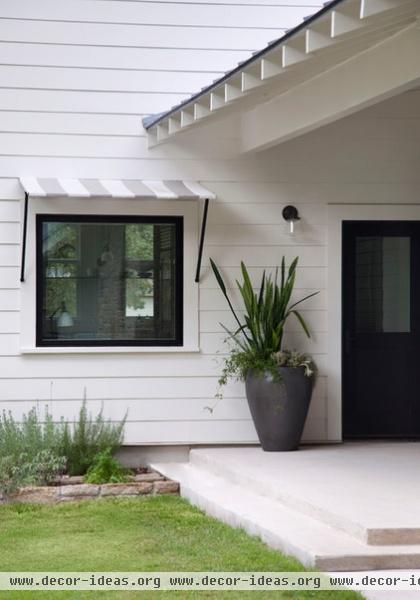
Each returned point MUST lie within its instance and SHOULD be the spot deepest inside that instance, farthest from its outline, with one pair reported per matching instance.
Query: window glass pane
(111, 282)
(382, 284)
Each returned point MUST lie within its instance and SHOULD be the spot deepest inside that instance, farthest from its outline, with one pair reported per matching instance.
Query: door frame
(336, 214)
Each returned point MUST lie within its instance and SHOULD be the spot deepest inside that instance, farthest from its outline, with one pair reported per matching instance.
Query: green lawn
(139, 534)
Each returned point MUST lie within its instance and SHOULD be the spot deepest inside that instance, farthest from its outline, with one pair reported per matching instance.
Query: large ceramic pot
(279, 408)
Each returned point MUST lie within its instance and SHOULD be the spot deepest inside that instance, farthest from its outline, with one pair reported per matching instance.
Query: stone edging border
(148, 485)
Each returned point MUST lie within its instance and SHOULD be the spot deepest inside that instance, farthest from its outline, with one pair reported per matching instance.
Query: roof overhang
(341, 31)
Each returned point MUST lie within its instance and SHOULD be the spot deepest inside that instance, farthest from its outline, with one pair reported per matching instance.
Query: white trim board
(80, 206)
(337, 213)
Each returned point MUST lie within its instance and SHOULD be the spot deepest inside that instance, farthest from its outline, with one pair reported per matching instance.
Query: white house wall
(59, 118)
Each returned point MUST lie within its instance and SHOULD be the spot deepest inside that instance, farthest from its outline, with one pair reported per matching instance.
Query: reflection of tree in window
(139, 272)
(61, 260)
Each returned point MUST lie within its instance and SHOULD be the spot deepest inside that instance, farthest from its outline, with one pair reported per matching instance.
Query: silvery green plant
(294, 359)
(259, 333)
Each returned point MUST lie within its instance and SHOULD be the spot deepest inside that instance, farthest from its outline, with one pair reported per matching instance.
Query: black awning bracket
(24, 235)
(202, 236)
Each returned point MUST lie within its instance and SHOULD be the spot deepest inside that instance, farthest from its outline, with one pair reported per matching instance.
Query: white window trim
(188, 209)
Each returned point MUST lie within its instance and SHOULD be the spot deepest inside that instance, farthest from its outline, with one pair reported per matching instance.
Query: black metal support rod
(25, 230)
(202, 236)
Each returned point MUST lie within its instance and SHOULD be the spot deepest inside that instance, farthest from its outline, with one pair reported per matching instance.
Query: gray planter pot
(279, 408)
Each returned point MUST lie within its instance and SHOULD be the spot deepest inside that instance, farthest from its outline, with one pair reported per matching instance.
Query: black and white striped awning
(114, 188)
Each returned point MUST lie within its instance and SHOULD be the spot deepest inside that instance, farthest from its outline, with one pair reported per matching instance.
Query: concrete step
(294, 483)
(313, 542)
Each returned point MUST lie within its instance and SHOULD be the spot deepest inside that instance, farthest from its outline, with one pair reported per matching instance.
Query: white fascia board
(371, 76)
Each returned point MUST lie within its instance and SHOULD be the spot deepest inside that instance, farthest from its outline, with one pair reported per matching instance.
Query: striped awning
(114, 188)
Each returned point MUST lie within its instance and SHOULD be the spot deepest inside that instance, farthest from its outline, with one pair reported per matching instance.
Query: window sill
(109, 349)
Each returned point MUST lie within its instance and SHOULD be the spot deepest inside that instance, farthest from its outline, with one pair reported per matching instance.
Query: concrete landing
(348, 507)
(370, 490)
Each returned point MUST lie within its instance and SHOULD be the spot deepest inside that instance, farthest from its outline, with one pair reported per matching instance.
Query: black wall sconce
(291, 215)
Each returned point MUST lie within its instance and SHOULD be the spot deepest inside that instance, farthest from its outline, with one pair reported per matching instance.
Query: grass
(138, 534)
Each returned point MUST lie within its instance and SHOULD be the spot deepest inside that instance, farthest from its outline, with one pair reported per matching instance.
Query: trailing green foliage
(259, 335)
(87, 438)
(106, 469)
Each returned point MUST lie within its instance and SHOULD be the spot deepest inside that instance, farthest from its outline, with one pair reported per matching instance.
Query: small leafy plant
(106, 469)
(258, 337)
(44, 467)
(292, 358)
(12, 474)
(41, 469)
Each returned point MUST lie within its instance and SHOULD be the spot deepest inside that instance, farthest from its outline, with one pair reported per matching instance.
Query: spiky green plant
(259, 334)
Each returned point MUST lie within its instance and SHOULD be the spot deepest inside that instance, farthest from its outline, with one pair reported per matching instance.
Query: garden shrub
(35, 451)
(87, 438)
(106, 469)
(29, 436)
(41, 469)
(45, 466)
(13, 474)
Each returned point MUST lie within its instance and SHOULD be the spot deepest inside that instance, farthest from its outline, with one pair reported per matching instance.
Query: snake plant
(260, 332)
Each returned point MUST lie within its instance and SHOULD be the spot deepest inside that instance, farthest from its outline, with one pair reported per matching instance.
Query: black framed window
(109, 281)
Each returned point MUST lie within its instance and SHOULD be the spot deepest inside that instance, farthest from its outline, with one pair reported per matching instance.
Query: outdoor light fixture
(291, 215)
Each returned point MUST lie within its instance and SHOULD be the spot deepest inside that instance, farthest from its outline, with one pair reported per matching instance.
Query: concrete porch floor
(353, 506)
(369, 489)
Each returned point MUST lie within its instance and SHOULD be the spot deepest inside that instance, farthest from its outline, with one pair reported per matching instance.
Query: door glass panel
(382, 284)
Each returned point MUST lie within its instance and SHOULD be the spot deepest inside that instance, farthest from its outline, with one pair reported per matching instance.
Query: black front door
(381, 329)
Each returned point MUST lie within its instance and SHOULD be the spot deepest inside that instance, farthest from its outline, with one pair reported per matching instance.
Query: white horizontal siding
(9, 299)
(116, 388)
(397, 171)
(197, 14)
(168, 59)
(9, 277)
(212, 299)
(87, 102)
(307, 278)
(73, 123)
(23, 144)
(75, 79)
(210, 321)
(109, 34)
(106, 80)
